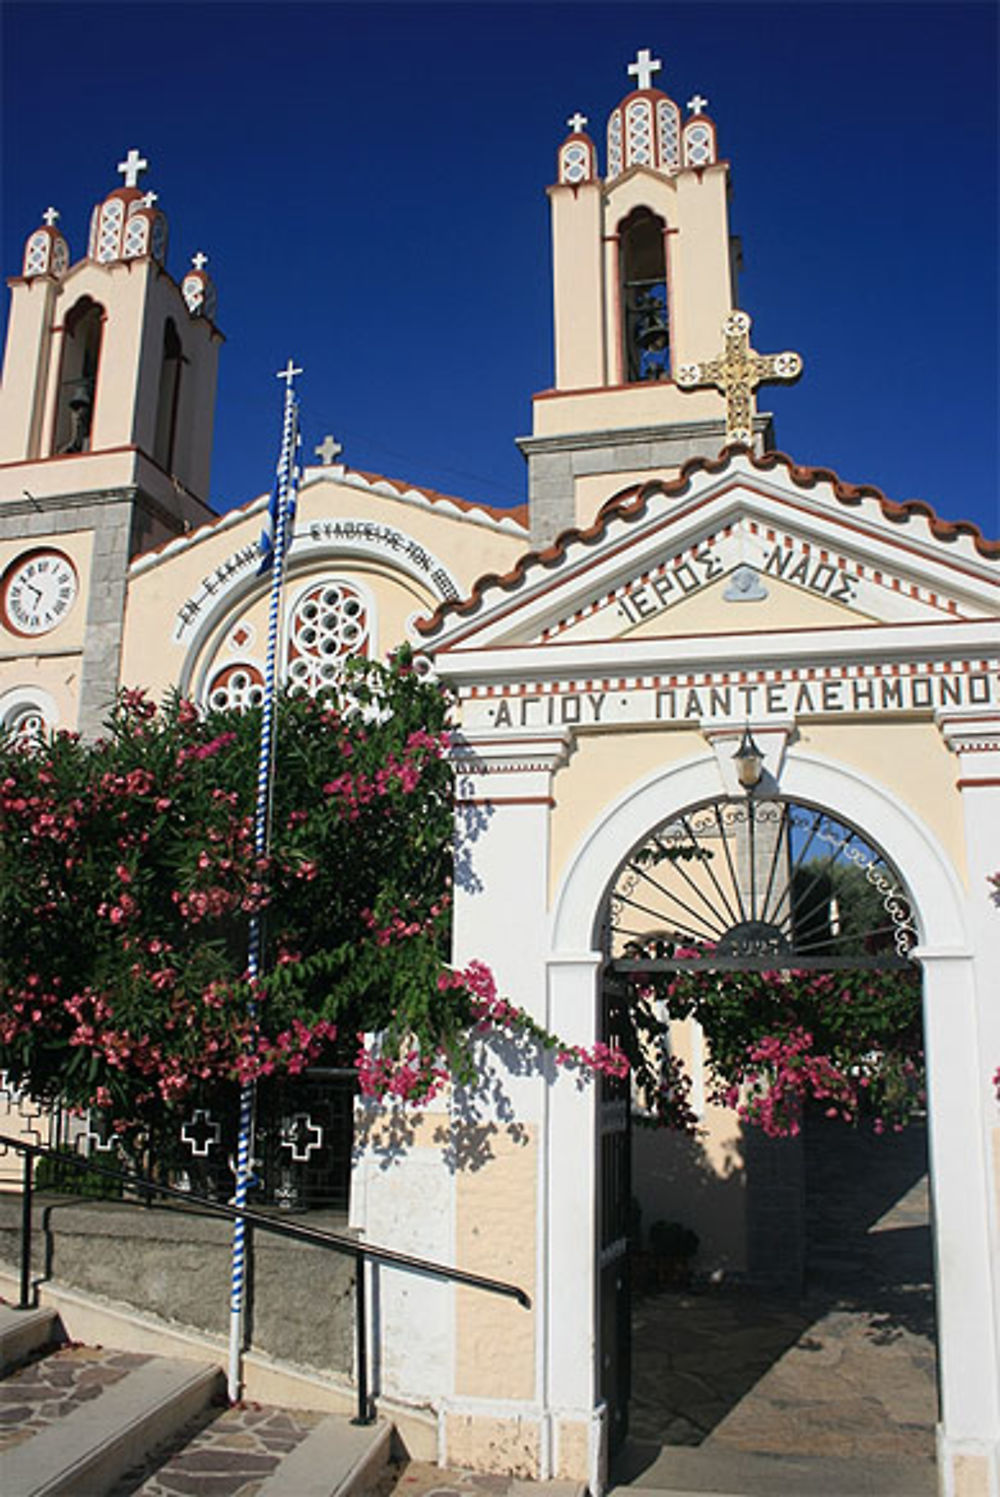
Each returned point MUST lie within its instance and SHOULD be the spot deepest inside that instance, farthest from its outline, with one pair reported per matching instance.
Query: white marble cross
(132, 166)
(328, 449)
(51, 217)
(199, 261)
(576, 122)
(643, 68)
(149, 199)
(697, 105)
(288, 373)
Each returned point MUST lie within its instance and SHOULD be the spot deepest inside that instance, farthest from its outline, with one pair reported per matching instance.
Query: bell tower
(644, 273)
(105, 438)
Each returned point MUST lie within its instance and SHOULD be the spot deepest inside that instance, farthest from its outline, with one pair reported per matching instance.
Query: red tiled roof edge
(632, 501)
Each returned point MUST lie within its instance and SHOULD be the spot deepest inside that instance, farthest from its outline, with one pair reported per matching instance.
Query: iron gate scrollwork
(753, 882)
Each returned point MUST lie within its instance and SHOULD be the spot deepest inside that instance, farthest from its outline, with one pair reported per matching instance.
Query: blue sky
(369, 183)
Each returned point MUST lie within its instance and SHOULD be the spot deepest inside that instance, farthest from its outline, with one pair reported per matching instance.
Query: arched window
(82, 333)
(169, 394)
(645, 323)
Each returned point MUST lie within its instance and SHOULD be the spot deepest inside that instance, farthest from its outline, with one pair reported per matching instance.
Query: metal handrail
(337, 1242)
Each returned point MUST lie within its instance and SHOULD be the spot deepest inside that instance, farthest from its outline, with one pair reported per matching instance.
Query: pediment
(740, 545)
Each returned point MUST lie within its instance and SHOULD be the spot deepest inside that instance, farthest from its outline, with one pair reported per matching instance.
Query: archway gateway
(735, 885)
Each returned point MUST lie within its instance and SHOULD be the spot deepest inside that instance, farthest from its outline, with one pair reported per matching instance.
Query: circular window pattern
(239, 686)
(330, 622)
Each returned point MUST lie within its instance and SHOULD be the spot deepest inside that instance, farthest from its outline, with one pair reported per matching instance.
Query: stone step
(677, 1471)
(23, 1332)
(338, 1459)
(88, 1449)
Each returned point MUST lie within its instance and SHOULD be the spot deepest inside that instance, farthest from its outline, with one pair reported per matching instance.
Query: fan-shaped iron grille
(758, 883)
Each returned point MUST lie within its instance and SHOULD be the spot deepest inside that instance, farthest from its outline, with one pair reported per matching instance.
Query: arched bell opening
(644, 300)
(74, 420)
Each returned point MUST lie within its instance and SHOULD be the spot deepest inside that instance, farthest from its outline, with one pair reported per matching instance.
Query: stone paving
(42, 1391)
(229, 1457)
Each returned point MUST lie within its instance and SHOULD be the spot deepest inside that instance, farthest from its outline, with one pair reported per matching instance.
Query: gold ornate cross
(737, 372)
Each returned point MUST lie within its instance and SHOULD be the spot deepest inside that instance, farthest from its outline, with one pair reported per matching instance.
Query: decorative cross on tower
(288, 374)
(51, 217)
(328, 449)
(131, 167)
(149, 199)
(576, 122)
(698, 104)
(643, 68)
(199, 261)
(737, 372)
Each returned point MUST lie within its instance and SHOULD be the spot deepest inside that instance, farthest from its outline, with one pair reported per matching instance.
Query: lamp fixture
(749, 761)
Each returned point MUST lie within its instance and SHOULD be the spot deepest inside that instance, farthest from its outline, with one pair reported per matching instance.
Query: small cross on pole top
(51, 217)
(737, 372)
(288, 374)
(199, 261)
(131, 167)
(698, 104)
(576, 122)
(328, 449)
(643, 68)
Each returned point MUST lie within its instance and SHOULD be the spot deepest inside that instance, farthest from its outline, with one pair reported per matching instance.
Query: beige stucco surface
(495, 1229)
(484, 1444)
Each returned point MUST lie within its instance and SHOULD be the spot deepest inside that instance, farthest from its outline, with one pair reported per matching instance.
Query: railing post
(361, 1337)
(26, 1194)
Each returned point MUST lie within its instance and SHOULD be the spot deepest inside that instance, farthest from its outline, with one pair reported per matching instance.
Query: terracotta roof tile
(632, 501)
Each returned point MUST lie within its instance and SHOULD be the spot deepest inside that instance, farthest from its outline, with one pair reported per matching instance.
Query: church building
(674, 586)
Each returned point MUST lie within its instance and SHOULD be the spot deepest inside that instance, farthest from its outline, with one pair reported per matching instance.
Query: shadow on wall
(679, 1179)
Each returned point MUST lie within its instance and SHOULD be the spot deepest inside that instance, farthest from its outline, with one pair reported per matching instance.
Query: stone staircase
(86, 1421)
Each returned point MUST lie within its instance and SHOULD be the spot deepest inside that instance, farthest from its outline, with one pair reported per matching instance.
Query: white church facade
(673, 581)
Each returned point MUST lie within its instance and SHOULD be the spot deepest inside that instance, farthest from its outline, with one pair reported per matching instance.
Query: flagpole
(281, 513)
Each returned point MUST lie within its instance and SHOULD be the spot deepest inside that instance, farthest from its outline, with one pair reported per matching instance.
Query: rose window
(330, 622)
(238, 685)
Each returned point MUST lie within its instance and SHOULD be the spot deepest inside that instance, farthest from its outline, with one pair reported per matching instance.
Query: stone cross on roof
(698, 104)
(51, 217)
(149, 199)
(199, 261)
(643, 68)
(132, 166)
(328, 449)
(576, 122)
(737, 372)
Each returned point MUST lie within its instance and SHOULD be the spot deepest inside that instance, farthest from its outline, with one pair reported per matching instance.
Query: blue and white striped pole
(273, 548)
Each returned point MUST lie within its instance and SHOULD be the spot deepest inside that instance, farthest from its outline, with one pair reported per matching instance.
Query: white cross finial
(51, 217)
(288, 373)
(149, 199)
(643, 68)
(328, 449)
(199, 261)
(576, 122)
(131, 167)
(697, 105)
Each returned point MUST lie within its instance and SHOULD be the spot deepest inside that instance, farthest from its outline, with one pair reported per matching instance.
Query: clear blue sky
(369, 183)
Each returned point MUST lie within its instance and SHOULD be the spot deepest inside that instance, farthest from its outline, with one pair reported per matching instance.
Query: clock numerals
(39, 592)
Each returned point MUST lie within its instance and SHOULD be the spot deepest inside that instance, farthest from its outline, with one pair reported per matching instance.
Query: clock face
(38, 592)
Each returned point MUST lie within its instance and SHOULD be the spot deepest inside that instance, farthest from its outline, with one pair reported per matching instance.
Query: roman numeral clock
(39, 590)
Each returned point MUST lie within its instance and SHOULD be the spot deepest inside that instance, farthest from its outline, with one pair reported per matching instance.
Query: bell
(654, 335)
